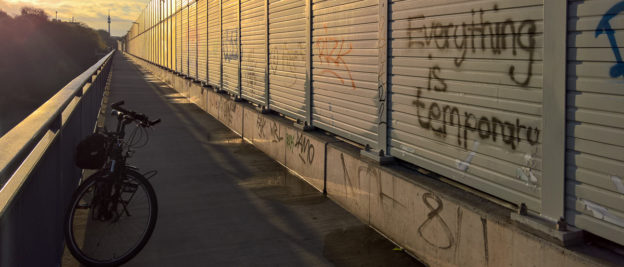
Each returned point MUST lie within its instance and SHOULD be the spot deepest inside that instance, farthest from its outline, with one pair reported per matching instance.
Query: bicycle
(112, 214)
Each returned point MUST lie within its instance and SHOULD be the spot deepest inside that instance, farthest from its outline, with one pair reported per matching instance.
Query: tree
(39, 57)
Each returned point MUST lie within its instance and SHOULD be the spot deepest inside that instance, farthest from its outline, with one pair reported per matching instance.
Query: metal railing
(37, 171)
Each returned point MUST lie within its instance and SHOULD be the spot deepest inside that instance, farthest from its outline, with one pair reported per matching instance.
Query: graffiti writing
(381, 83)
(229, 108)
(486, 248)
(604, 27)
(290, 142)
(487, 127)
(283, 58)
(276, 135)
(331, 51)
(347, 179)
(214, 105)
(525, 173)
(478, 35)
(381, 99)
(302, 145)
(230, 44)
(251, 78)
(433, 215)
(260, 124)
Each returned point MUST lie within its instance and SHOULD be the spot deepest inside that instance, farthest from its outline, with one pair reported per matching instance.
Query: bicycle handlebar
(142, 118)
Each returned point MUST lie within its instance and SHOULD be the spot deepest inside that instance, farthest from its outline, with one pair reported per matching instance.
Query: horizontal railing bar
(19, 144)
(13, 185)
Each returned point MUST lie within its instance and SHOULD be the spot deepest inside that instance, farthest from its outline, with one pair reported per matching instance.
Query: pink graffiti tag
(334, 55)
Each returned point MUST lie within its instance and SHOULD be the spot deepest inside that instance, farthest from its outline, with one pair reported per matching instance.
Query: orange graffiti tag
(334, 55)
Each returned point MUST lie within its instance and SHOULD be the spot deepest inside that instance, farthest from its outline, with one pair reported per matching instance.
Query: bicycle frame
(108, 199)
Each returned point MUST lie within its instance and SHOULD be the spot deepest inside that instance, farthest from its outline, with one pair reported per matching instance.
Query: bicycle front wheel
(108, 223)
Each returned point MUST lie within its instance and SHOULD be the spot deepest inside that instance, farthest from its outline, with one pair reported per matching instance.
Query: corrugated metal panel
(160, 43)
(193, 40)
(178, 37)
(230, 46)
(344, 68)
(466, 92)
(170, 44)
(202, 29)
(253, 45)
(162, 47)
(287, 57)
(595, 118)
(157, 34)
(185, 38)
(214, 42)
(172, 35)
(152, 34)
(464, 85)
(163, 34)
(148, 35)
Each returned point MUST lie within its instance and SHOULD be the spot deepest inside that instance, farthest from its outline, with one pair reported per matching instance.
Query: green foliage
(38, 57)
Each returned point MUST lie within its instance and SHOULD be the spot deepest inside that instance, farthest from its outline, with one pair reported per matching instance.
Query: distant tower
(109, 23)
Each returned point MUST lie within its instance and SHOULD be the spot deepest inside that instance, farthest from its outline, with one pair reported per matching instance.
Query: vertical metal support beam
(149, 33)
(379, 152)
(221, 44)
(168, 33)
(207, 42)
(266, 56)
(171, 35)
(553, 106)
(150, 39)
(157, 31)
(160, 35)
(308, 64)
(153, 32)
(240, 54)
(188, 38)
(165, 34)
(382, 79)
(196, 40)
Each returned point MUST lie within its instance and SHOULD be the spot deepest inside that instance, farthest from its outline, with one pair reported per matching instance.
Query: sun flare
(93, 13)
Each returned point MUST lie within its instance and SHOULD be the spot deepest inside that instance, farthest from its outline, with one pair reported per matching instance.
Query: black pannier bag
(91, 152)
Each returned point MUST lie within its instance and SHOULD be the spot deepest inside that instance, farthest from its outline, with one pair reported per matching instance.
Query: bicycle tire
(91, 184)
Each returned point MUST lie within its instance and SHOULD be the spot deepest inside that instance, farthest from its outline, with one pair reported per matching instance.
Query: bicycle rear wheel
(100, 232)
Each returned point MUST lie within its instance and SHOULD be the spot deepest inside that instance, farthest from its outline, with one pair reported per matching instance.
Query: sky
(90, 12)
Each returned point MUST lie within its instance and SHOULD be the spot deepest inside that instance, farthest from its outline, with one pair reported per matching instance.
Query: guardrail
(37, 171)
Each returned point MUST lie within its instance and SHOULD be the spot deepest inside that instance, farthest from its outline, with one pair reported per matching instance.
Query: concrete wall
(440, 224)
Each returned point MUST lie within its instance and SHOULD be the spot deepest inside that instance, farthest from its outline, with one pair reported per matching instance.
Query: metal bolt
(562, 225)
(522, 210)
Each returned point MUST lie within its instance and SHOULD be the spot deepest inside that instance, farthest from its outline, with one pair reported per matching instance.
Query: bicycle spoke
(117, 223)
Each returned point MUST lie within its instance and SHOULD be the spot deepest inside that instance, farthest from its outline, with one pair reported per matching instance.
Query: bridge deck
(223, 202)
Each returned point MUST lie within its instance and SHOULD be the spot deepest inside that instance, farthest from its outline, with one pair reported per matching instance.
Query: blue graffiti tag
(605, 27)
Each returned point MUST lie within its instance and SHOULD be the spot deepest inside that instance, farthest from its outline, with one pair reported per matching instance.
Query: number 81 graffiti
(605, 27)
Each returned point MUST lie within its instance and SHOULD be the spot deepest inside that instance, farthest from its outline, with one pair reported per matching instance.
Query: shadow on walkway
(223, 202)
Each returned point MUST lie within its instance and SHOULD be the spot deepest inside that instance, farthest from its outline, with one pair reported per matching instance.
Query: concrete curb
(440, 224)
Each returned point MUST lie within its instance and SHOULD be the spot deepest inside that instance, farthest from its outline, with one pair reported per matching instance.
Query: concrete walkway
(222, 202)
